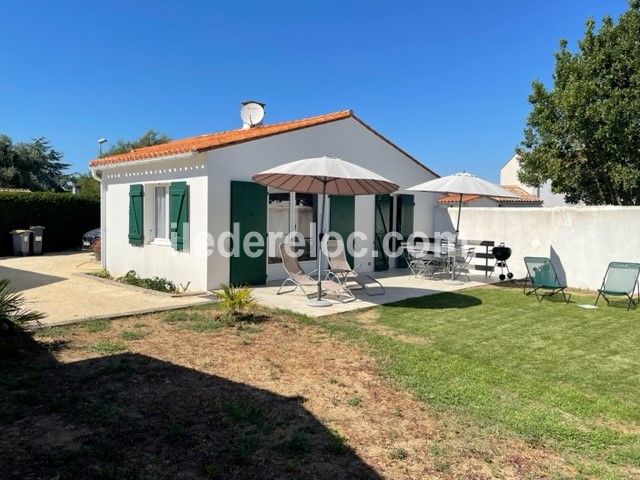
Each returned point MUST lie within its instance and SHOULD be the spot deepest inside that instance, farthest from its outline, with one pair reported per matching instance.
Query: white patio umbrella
(322, 176)
(462, 183)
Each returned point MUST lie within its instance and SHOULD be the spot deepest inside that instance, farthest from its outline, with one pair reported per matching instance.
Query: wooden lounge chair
(299, 279)
(342, 272)
(543, 277)
(620, 279)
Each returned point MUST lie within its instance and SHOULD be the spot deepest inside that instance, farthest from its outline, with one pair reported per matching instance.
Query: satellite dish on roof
(252, 114)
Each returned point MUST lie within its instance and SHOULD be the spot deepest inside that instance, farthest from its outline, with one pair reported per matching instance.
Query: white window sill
(160, 242)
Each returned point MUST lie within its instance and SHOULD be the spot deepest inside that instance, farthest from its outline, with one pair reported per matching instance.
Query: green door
(382, 223)
(249, 210)
(404, 223)
(342, 217)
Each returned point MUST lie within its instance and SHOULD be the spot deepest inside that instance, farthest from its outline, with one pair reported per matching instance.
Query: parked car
(89, 238)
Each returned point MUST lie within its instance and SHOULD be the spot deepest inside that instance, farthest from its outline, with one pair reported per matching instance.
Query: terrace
(397, 282)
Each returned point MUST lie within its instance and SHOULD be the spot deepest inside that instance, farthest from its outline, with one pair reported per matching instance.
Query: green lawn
(552, 373)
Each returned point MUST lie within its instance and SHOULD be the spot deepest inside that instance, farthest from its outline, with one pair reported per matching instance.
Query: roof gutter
(96, 172)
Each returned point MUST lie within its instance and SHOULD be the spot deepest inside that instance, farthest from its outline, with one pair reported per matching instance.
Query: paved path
(54, 284)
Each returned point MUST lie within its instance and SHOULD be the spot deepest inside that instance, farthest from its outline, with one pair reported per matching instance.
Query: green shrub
(66, 218)
(159, 284)
(12, 311)
(235, 300)
(101, 274)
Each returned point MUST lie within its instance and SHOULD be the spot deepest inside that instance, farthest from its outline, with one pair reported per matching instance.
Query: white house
(160, 203)
(509, 176)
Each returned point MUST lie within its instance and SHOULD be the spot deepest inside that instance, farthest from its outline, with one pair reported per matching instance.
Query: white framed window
(161, 215)
(291, 212)
(306, 220)
(278, 219)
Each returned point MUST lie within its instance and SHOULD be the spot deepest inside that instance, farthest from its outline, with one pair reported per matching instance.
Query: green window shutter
(178, 214)
(136, 195)
(249, 210)
(342, 219)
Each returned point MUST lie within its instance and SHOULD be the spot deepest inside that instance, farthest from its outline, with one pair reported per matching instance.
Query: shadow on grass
(132, 416)
(439, 301)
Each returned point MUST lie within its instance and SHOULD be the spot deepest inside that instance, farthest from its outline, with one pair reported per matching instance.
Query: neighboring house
(160, 202)
(509, 176)
(521, 199)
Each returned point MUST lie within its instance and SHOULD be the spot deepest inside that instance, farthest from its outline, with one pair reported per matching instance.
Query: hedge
(66, 218)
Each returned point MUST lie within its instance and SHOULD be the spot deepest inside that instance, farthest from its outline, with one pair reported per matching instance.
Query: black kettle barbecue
(502, 253)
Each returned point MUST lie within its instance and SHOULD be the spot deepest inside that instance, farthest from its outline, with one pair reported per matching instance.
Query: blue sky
(447, 81)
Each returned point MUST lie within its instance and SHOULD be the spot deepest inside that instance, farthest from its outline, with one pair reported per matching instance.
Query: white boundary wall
(580, 241)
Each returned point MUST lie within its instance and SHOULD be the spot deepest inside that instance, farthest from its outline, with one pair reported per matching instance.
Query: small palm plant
(12, 311)
(235, 300)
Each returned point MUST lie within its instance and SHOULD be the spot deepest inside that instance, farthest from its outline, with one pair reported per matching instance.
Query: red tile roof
(455, 198)
(211, 141)
(520, 197)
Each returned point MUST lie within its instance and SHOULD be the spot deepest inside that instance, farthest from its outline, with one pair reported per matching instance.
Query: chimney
(252, 114)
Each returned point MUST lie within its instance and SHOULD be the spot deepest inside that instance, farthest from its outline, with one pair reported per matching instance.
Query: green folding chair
(543, 278)
(620, 279)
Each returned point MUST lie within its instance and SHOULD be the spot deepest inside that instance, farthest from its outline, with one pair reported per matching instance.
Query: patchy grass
(108, 347)
(398, 454)
(52, 332)
(284, 396)
(196, 321)
(554, 374)
(96, 325)
(133, 334)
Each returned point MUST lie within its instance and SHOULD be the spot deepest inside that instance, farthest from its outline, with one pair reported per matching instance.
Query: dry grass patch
(271, 399)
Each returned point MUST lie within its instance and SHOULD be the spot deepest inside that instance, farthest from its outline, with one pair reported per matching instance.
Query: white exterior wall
(509, 176)
(153, 260)
(581, 241)
(346, 139)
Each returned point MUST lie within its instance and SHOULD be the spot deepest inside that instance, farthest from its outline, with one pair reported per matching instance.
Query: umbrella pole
(318, 301)
(455, 241)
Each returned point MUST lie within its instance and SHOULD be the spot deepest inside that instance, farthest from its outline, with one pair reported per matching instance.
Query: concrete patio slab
(54, 284)
(397, 283)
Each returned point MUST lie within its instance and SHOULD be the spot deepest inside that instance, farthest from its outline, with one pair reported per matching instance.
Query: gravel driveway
(55, 285)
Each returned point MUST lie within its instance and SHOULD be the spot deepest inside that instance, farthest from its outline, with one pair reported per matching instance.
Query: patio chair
(543, 277)
(417, 260)
(347, 276)
(423, 262)
(299, 279)
(463, 262)
(620, 279)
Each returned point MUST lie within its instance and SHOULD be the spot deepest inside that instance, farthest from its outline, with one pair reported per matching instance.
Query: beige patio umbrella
(462, 183)
(322, 176)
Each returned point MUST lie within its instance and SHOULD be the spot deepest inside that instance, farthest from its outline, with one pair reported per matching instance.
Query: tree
(34, 165)
(88, 186)
(584, 134)
(149, 138)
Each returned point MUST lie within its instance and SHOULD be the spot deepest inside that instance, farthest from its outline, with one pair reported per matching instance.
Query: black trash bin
(21, 242)
(36, 239)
